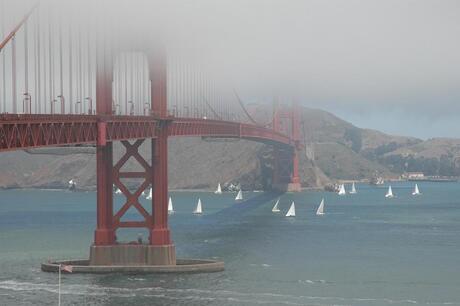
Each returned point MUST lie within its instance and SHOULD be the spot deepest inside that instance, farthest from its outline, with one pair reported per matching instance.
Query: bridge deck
(23, 131)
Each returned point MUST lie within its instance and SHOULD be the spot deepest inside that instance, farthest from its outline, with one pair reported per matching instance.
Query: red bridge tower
(286, 160)
(160, 249)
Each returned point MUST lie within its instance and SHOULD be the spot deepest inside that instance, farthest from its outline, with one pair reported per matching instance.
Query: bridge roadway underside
(33, 131)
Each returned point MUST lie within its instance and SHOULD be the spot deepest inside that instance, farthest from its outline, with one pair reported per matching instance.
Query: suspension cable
(240, 102)
(18, 26)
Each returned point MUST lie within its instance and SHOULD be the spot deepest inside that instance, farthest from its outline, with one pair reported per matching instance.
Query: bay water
(365, 250)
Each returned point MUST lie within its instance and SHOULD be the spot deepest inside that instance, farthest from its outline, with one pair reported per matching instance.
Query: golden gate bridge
(64, 83)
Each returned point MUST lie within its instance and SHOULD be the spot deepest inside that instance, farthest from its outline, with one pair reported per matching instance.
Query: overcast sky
(392, 65)
(388, 65)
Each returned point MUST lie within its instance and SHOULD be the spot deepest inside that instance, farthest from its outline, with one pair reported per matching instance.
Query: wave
(203, 294)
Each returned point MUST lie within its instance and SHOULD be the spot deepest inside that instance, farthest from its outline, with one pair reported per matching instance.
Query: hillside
(334, 150)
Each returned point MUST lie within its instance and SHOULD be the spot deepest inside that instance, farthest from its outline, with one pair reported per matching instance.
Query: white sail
(320, 210)
(291, 211)
(198, 210)
(353, 188)
(275, 208)
(219, 190)
(389, 192)
(416, 190)
(149, 196)
(71, 182)
(239, 196)
(342, 190)
(118, 191)
(170, 206)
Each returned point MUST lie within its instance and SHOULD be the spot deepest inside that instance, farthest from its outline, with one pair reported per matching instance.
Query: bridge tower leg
(162, 247)
(294, 184)
(104, 234)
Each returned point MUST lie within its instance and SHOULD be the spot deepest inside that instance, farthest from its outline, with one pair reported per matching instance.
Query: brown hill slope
(333, 150)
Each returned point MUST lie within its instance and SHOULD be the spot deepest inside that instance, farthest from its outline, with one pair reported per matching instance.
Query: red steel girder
(32, 131)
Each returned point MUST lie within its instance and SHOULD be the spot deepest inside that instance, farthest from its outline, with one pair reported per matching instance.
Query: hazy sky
(389, 65)
(392, 65)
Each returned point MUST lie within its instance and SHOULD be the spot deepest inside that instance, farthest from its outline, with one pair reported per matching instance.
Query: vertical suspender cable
(179, 88)
(137, 84)
(185, 101)
(186, 93)
(176, 87)
(2, 17)
(84, 64)
(26, 72)
(38, 99)
(126, 82)
(45, 98)
(90, 94)
(119, 84)
(70, 70)
(143, 82)
(61, 77)
(80, 74)
(131, 86)
(13, 73)
(50, 59)
(36, 96)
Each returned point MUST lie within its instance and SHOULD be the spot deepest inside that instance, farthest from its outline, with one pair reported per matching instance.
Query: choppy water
(366, 250)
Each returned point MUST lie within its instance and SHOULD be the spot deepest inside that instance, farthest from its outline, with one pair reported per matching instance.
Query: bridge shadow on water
(240, 208)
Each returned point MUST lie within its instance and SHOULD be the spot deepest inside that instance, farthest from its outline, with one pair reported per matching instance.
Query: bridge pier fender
(132, 255)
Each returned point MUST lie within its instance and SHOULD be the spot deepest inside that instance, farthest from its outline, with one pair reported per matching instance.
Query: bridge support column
(286, 162)
(285, 170)
(294, 185)
(104, 234)
(162, 250)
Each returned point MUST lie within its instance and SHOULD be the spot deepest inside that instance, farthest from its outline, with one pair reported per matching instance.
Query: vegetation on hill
(333, 149)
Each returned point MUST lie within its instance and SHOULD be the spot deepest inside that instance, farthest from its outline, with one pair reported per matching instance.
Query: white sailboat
(198, 210)
(149, 196)
(389, 193)
(353, 189)
(239, 196)
(275, 208)
(118, 191)
(291, 211)
(72, 184)
(219, 190)
(416, 191)
(342, 190)
(170, 206)
(320, 210)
